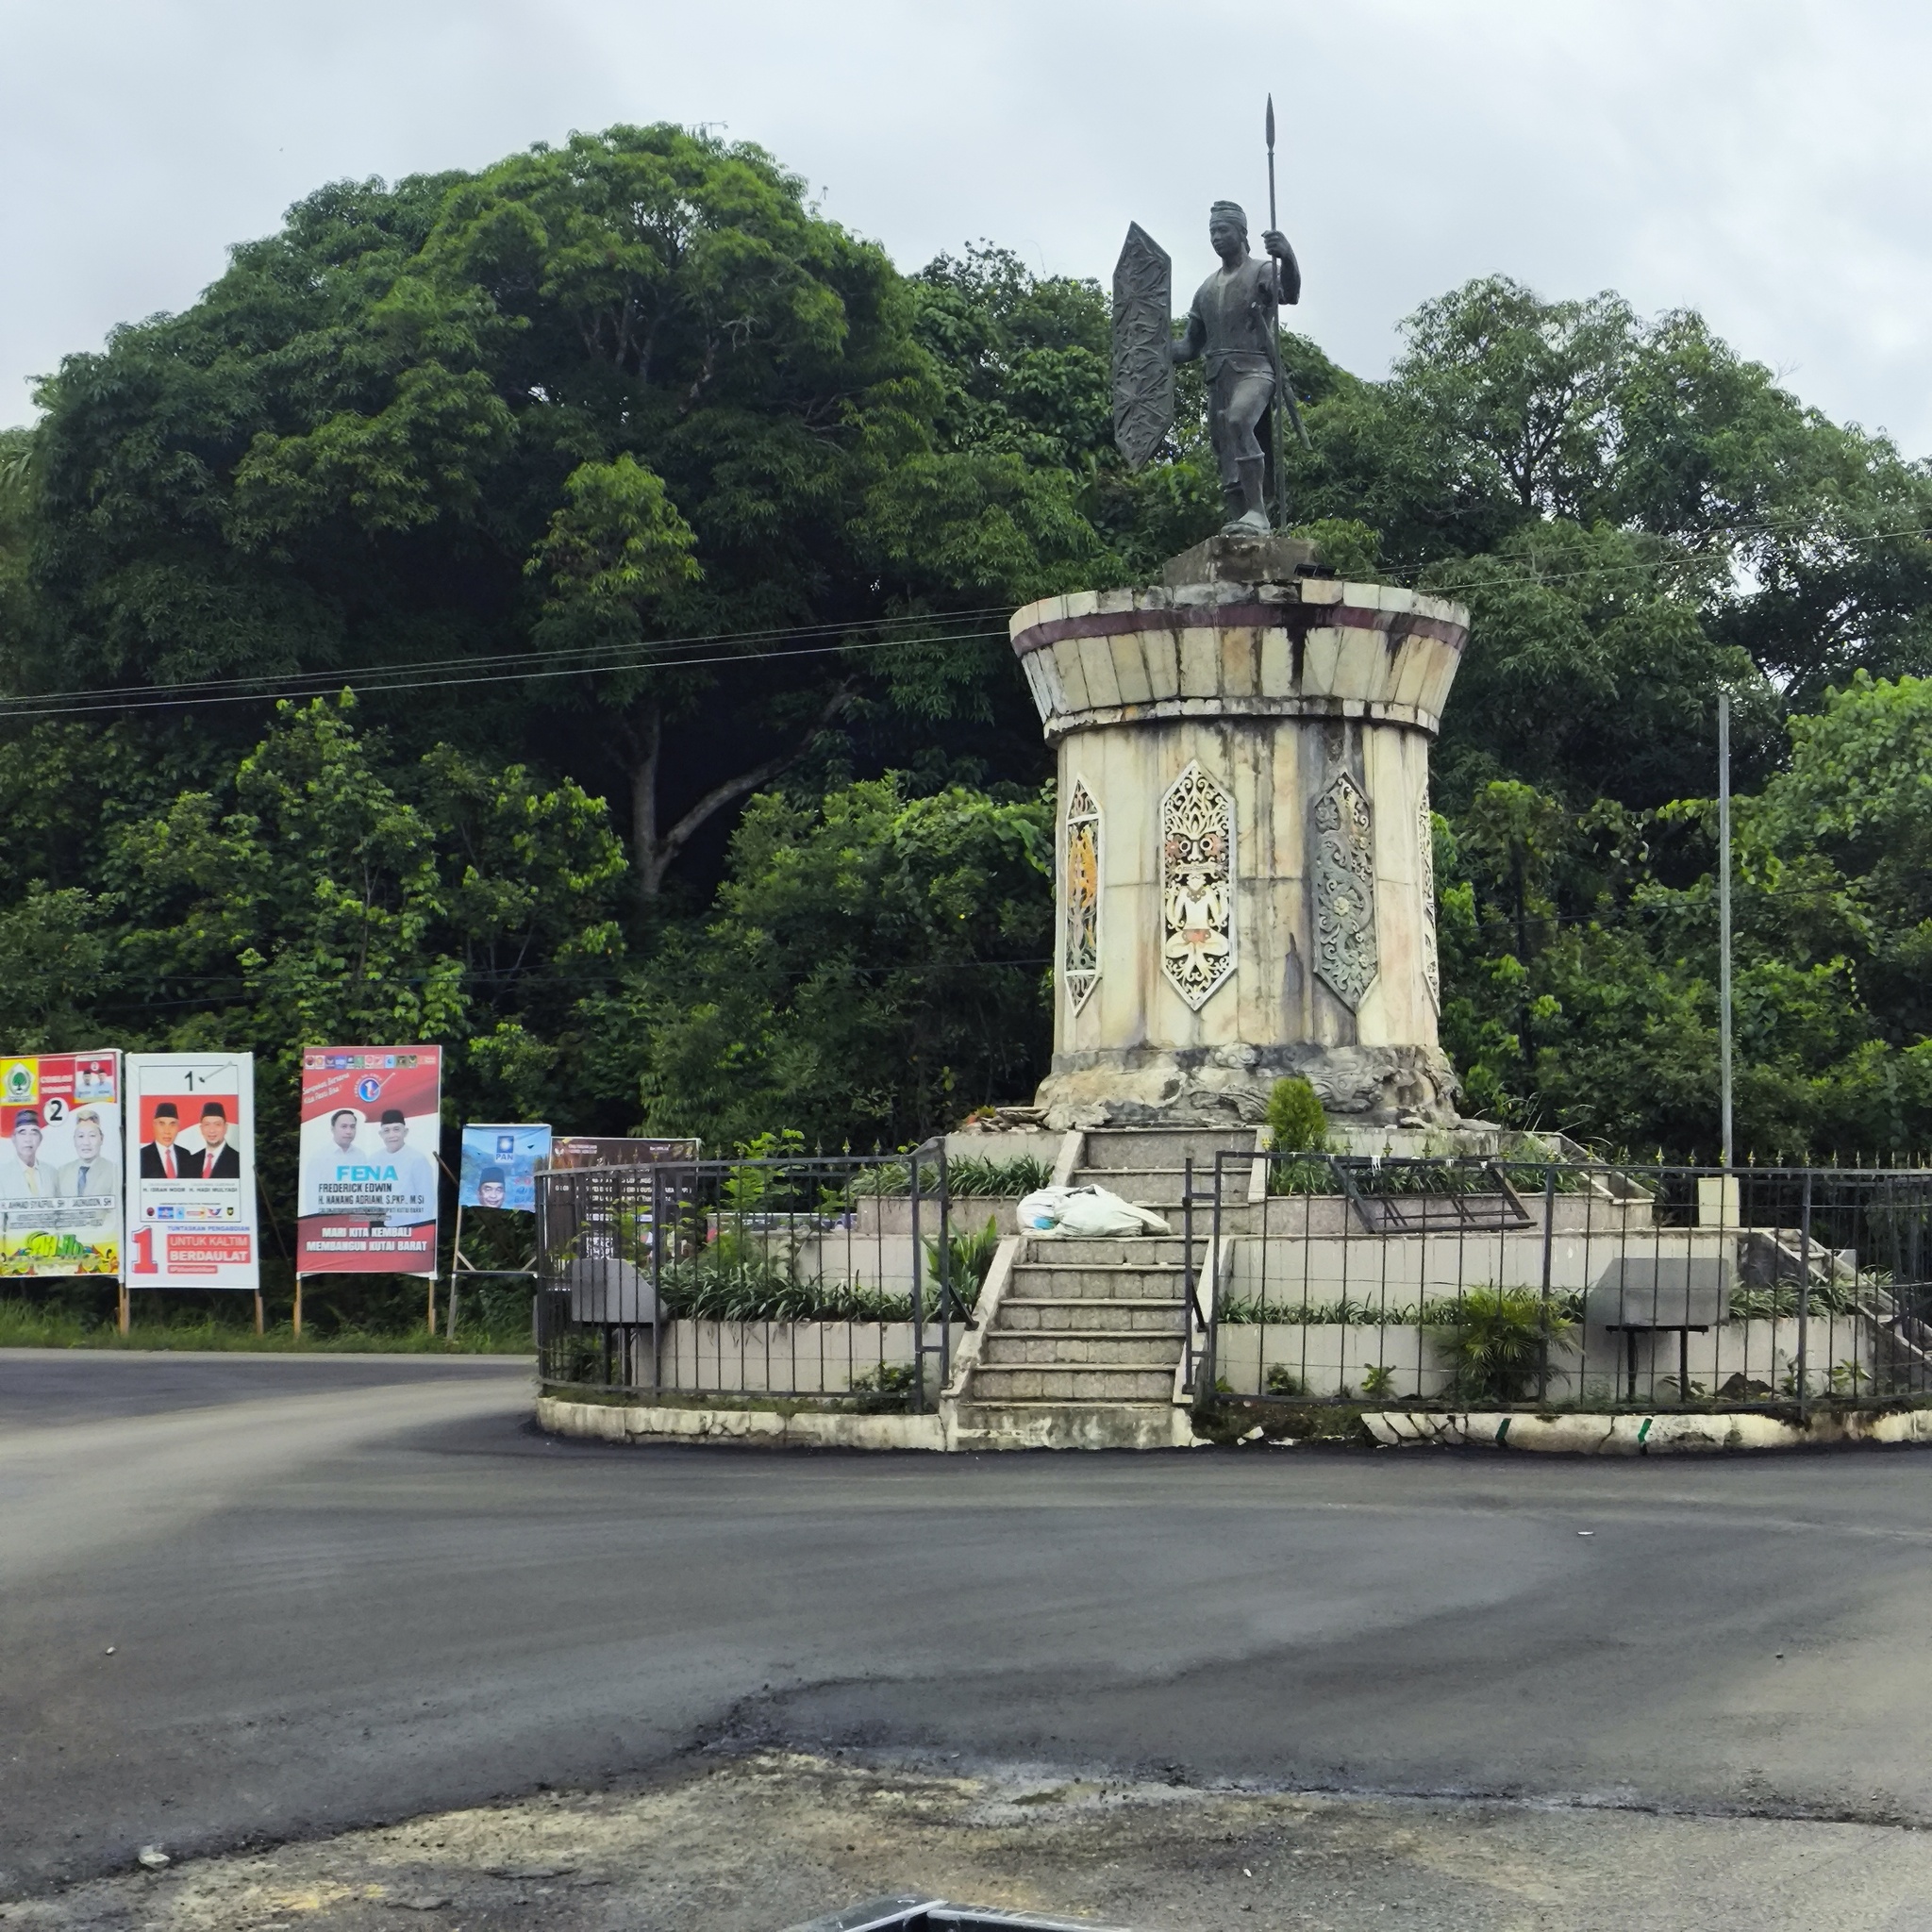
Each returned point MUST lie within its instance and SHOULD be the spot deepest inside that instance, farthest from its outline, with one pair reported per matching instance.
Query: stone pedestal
(1245, 884)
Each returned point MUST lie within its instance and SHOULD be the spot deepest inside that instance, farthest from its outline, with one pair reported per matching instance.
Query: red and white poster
(190, 1171)
(372, 1126)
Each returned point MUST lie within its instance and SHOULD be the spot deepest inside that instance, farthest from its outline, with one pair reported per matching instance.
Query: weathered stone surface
(1228, 559)
(1229, 1086)
(1298, 939)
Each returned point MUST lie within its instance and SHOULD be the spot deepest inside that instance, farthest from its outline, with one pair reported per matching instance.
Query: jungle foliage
(665, 534)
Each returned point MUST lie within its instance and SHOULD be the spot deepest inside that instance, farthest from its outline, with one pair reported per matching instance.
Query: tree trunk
(653, 852)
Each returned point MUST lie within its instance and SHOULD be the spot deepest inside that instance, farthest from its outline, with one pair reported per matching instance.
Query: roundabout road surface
(345, 1589)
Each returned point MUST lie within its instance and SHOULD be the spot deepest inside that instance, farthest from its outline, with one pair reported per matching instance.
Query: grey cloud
(1760, 162)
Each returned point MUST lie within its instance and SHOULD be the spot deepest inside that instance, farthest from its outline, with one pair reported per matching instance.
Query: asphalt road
(342, 1591)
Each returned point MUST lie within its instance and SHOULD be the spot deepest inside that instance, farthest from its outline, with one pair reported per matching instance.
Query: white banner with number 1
(190, 1171)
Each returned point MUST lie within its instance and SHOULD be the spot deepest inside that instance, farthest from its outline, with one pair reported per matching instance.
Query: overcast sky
(1766, 161)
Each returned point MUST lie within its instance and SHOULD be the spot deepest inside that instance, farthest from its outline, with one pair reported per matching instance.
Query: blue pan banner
(500, 1163)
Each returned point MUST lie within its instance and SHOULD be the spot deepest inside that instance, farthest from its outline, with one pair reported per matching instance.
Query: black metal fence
(813, 1276)
(1498, 1283)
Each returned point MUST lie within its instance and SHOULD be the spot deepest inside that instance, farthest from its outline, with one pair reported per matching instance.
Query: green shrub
(1280, 1381)
(971, 1256)
(1496, 1340)
(1295, 1118)
(970, 1176)
(1379, 1382)
(886, 1389)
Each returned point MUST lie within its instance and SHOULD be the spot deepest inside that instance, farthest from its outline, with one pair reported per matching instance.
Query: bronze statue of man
(1232, 325)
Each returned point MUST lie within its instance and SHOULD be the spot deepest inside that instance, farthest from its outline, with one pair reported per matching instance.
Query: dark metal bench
(1651, 1294)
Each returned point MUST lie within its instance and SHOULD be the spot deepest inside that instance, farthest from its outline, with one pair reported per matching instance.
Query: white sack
(1086, 1211)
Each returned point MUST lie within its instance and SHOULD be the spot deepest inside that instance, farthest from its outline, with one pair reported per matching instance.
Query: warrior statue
(1231, 327)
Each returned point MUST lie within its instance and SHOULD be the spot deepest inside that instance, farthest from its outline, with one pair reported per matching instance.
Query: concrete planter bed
(798, 1358)
(772, 1425)
(1327, 1359)
(613, 1416)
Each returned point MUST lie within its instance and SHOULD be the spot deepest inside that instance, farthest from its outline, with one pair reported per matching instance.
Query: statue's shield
(1143, 369)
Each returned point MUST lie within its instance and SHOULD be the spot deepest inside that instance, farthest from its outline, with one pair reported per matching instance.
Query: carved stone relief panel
(1426, 840)
(1080, 961)
(1197, 886)
(1346, 955)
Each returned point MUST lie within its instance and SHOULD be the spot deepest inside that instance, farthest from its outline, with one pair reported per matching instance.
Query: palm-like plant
(1496, 1339)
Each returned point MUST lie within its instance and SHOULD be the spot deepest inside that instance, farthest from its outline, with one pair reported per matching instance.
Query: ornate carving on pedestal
(1425, 841)
(1080, 961)
(1197, 886)
(1346, 955)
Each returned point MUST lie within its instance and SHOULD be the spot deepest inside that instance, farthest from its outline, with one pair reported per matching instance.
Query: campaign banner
(191, 1216)
(60, 1196)
(500, 1163)
(372, 1121)
(585, 1150)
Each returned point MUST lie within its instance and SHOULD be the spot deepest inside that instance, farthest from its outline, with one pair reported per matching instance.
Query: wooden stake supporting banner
(298, 1314)
(456, 1262)
(123, 1313)
(432, 1307)
(258, 1313)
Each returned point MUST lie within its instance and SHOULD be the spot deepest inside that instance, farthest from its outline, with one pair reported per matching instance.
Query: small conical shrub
(1295, 1118)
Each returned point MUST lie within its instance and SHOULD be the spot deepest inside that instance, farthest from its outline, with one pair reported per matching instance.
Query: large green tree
(537, 430)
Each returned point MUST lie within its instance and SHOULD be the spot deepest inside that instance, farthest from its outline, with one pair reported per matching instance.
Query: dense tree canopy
(520, 440)
(665, 533)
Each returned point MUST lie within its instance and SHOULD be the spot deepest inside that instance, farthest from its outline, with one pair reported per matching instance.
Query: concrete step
(1163, 1188)
(1088, 1314)
(1082, 1348)
(1031, 1281)
(1117, 1148)
(1139, 1251)
(1069, 1382)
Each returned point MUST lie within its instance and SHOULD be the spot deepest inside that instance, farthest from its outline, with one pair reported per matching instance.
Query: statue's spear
(1283, 393)
(1271, 161)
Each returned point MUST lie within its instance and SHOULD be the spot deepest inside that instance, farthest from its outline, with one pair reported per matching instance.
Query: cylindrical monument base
(1246, 878)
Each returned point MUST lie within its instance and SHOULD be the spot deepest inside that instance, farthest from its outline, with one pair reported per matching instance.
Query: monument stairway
(1085, 1343)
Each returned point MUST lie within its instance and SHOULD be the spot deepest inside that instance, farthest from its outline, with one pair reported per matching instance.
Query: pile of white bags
(1086, 1211)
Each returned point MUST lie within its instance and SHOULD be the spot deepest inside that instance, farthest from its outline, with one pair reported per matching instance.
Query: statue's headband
(1229, 210)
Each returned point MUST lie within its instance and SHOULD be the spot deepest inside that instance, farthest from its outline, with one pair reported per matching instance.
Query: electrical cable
(740, 637)
(373, 684)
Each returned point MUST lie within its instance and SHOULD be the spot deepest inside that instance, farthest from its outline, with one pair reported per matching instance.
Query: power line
(194, 686)
(30, 708)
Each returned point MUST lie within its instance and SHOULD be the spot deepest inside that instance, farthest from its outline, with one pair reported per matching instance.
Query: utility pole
(1724, 910)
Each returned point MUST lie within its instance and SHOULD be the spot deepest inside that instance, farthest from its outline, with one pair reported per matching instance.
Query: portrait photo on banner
(191, 1215)
(499, 1165)
(369, 1160)
(60, 1179)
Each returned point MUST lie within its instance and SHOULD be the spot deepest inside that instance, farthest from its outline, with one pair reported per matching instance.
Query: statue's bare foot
(1252, 523)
